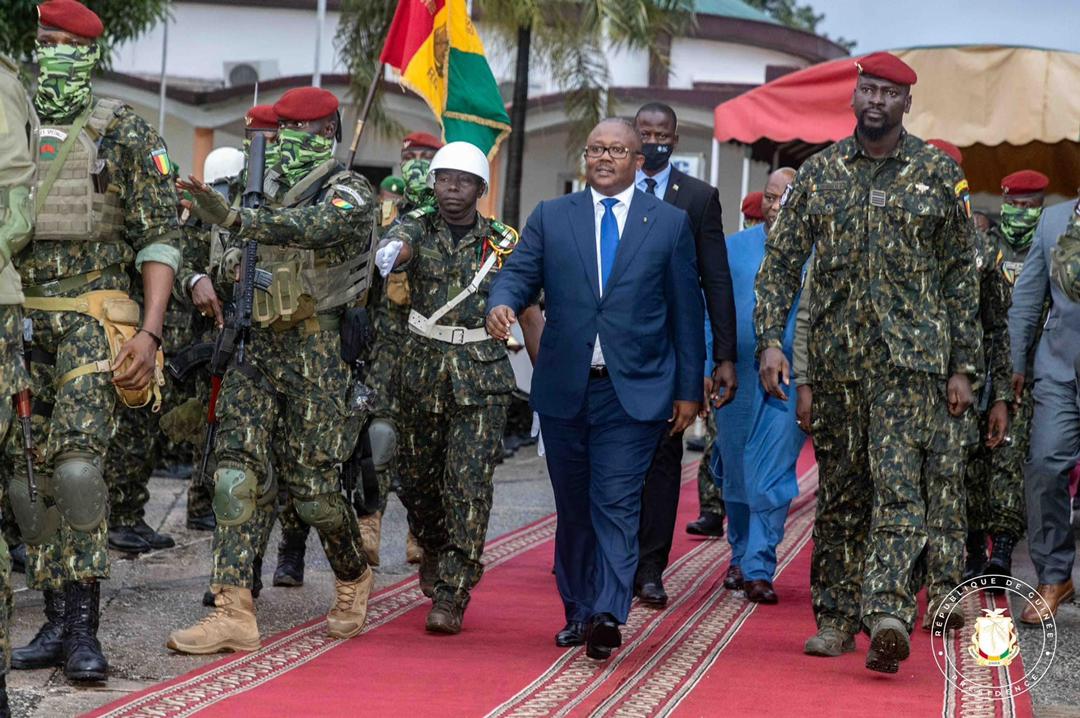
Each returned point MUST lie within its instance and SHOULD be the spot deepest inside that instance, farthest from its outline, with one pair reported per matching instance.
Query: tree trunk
(511, 210)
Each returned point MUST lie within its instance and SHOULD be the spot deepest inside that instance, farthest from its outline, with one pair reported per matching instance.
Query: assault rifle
(229, 347)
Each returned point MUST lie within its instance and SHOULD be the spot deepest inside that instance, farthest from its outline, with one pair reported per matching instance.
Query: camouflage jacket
(151, 227)
(994, 297)
(1065, 263)
(480, 372)
(894, 275)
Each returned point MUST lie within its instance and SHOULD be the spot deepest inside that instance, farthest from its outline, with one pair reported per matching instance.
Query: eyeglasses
(617, 152)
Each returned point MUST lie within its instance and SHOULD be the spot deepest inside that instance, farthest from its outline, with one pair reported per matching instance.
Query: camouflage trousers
(447, 461)
(135, 451)
(916, 459)
(287, 406)
(81, 417)
(995, 478)
(710, 496)
(383, 377)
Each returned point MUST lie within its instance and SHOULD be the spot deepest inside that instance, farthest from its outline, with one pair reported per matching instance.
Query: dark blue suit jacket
(649, 319)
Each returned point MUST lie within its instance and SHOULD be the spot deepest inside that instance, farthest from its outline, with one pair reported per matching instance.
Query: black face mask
(656, 155)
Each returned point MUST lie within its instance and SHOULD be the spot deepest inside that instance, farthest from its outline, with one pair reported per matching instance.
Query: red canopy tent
(1008, 108)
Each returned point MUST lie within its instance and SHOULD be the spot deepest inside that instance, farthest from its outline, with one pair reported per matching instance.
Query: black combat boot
(47, 647)
(5, 710)
(125, 538)
(18, 558)
(290, 558)
(156, 541)
(83, 658)
(205, 522)
(1000, 562)
(975, 565)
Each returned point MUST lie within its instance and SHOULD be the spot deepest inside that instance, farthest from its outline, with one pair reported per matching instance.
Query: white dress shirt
(620, 210)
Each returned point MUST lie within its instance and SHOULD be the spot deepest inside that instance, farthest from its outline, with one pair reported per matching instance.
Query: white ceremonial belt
(419, 324)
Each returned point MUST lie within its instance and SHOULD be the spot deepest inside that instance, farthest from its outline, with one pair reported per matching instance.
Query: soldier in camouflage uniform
(995, 478)
(456, 381)
(1065, 267)
(288, 397)
(391, 311)
(893, 345)
(710, 522)
(104, 200)
(17, 119)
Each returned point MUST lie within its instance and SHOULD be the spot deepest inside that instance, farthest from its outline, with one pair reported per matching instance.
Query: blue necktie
(609, 239)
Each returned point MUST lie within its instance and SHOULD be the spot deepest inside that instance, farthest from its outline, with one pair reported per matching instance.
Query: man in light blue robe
(758, 439)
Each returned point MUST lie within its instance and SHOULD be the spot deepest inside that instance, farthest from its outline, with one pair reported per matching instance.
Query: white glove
(387, 256)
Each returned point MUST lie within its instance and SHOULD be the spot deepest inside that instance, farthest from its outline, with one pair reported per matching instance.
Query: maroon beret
(303, 104)
(261, 117)
(888, 67)
(421, 139)
(948, 148)
(751, 206)
(1024, 182)
(70, 16)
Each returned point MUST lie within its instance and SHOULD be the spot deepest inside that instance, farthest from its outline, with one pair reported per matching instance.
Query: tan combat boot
(349, 612)
(413, 552)
(371, 533)
(230, 627)
(945, 621)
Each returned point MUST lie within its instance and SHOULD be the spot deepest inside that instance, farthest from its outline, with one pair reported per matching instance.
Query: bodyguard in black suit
(657, 125)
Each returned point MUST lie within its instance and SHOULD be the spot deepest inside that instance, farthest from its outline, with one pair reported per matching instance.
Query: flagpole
(361, 120)
(164, 78)
(320, 25)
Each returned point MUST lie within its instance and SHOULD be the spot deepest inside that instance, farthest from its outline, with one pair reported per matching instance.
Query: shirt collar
(901, 152)
(661, 177)
(625, 196)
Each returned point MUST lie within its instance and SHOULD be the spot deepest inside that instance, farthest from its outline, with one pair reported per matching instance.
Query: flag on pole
(435, 47)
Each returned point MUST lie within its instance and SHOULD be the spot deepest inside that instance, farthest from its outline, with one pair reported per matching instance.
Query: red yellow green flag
(435, 47)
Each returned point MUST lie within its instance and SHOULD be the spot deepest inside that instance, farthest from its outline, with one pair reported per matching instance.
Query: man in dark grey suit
(1055, 425)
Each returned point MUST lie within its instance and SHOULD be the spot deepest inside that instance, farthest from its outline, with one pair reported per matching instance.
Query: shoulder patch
(421, 212)
(159, 158)
(345, 197)
(963, 196)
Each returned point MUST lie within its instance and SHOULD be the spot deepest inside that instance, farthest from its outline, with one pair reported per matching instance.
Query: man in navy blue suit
(620, 363)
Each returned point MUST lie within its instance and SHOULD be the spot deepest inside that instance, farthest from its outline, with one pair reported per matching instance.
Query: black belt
(598, 372)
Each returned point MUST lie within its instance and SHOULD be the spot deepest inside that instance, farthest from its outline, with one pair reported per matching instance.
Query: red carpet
(709, 653)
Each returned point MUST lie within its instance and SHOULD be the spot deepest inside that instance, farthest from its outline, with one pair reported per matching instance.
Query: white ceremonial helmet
(222, 163)
(463, 156)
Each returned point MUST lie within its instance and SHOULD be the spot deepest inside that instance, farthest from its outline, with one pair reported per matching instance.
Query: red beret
(421, 139)
(888, 67)
(1024, 182)
(261, 117)
(70, 16)
(948, 148)
(303, 104)
(751, 206)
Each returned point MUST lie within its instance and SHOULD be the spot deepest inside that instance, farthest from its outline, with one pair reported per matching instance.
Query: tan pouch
(118, 315)
(397, 289)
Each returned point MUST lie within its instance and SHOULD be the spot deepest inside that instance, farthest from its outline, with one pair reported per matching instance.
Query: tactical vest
(304, 281)
(81, 204)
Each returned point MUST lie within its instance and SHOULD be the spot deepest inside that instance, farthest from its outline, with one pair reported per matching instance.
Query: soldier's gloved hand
(386, 256)
(206, 204)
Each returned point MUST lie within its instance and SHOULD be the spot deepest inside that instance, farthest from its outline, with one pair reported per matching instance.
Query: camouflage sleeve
(16, 165)
(346, 212)
(147, 187)
(994, 311)
(786, 249)
(800, 350)
(960, 282)
(410, 230)
(195, 259)
(1065, 259)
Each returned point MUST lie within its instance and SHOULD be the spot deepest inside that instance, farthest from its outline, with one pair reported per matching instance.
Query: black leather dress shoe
(760, 591)
(572, 634)
(652, 594)
(708, 524)
(603, 637)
